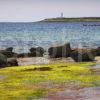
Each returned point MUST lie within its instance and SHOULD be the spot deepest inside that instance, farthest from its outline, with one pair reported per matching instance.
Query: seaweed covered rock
(60, 51)
(12, 62)
(83, 55)
(3, 60)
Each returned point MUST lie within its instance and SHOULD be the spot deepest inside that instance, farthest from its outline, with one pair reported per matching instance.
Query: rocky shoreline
(10, 58)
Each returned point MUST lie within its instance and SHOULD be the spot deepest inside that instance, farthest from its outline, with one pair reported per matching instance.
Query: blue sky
(34, 10)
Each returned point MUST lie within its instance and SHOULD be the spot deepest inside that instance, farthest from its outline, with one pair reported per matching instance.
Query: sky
(35, 10)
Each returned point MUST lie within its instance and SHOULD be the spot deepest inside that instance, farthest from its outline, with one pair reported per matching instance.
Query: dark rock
(36, 52)
(23, 55)
(32, 54)
(60, 51)
(97, 51)
(40, 50)
(83, 55)
(32, 50)
(10, 49)
(12, 62)
(8, 54)
(3, 60)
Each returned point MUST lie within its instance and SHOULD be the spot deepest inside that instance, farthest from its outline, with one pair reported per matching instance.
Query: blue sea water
(23, 36)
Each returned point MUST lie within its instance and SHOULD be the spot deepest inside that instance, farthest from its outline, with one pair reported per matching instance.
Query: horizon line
(44, 19)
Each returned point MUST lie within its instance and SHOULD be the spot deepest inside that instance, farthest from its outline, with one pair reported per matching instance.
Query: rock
(98, 51)
(22, 55)
(12, 62)
(36, 52)
(8, 54)
(83, 55)
(40, 50)
(32, 50)
(10, 49)
(60, 51)
(3, 60)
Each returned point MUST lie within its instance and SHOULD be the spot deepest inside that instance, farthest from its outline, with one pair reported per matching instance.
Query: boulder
(36, 52)
(40, 50)
(83, 55)
(10, 49)
(32, 50)
(3, 60)
(23, 55)
(60, 51)
(98, 51)
(12, 62)
(8, 52)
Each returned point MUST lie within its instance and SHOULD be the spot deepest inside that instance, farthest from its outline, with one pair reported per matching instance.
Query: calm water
(22, 36)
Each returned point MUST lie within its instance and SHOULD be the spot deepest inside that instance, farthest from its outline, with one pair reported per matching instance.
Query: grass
(81, 19)
(24, 83)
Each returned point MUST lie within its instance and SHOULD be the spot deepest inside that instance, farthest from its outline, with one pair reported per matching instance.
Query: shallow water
(22, 36)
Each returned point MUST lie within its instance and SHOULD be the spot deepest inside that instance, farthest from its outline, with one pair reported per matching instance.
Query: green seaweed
(18, 84)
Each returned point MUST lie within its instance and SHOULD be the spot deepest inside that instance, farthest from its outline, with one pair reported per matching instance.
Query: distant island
(80, 19)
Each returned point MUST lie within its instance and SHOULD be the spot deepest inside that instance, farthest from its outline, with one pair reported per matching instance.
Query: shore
(43, 60)
(56, 54)
(80, 19)
(56, 81)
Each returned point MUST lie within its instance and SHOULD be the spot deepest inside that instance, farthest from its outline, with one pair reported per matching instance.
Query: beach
(57, 79)
(50, 61)
(43, 60)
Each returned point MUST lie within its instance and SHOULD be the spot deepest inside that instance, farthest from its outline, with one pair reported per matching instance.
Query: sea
(24, 35)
